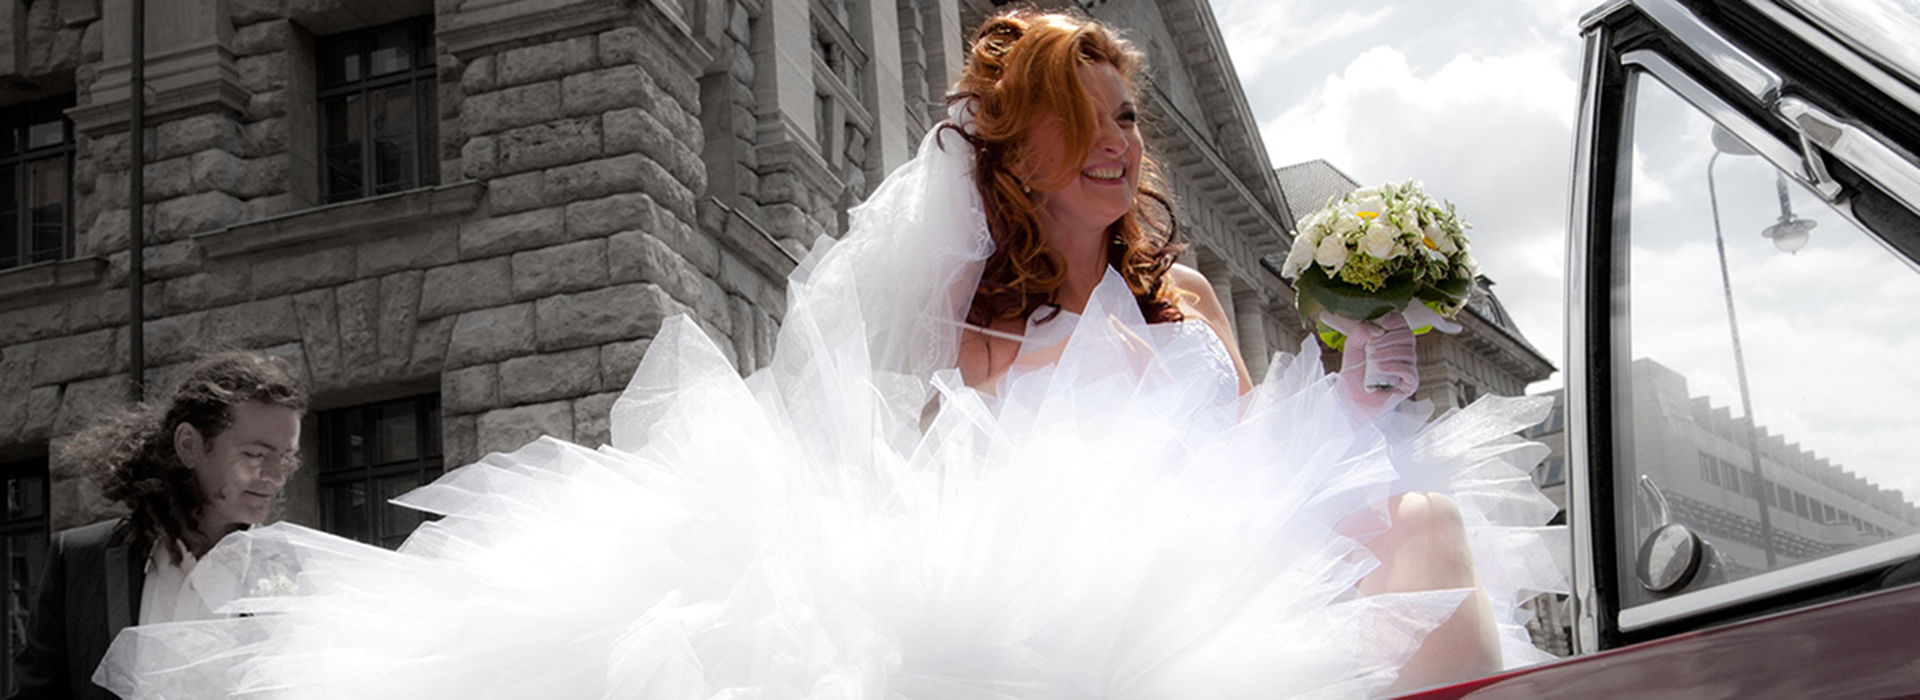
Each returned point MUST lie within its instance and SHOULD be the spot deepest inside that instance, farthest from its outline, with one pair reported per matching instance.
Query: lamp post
(1789, 234)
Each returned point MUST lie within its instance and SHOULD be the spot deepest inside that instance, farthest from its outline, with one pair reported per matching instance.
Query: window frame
(1623, 42)
(422, 75)
(36, 557)
(17, 122)
(334, 469)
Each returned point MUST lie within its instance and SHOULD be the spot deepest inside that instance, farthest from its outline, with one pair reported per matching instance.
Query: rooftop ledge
(332, 221)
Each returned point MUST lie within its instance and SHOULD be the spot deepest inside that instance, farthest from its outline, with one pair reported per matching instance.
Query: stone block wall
(601, 165)
(571, 217)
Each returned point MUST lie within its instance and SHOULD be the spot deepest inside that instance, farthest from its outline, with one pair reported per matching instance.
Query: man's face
(242, 469)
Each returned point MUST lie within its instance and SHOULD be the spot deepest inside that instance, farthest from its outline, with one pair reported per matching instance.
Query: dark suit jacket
(90, 591)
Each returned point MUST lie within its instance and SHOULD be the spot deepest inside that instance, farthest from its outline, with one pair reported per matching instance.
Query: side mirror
(1672, 556)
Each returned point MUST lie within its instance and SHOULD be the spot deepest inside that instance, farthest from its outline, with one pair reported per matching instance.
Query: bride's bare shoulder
(1197, 295)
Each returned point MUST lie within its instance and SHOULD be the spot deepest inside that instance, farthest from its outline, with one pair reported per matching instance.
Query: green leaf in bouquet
(1333, 338)
(1320, 292)
(1453, 289)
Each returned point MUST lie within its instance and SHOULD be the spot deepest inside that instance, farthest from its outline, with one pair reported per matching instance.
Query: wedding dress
(853, 522)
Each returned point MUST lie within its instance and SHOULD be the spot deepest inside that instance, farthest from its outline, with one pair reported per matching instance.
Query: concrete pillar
(190, 63)
(783, 91)
(1251, 320)
(878, 24)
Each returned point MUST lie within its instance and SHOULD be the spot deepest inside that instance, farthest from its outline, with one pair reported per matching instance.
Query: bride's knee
(1427, 512)
(1433, 524)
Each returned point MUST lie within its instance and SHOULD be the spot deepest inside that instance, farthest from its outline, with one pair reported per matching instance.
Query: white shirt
(168, 595)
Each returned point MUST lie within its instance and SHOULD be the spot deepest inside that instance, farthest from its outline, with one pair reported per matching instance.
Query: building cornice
(1194, 28)
(469, 34)
(346, 221)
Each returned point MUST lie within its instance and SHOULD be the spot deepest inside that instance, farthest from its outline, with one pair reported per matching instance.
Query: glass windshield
(1769, 391)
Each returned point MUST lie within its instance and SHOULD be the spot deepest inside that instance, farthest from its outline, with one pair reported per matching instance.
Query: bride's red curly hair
(1023, 66)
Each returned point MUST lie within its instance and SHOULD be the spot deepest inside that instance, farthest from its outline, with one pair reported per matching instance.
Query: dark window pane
(9, 221)
(344, 510)
(397, 522)
(393, 125)
(26, 556)
(433, 430)
(48, 133)
(423, 38)
(392, 50)
(427, 137)
(371, 454)
(343, 126)
(26, 497)
(339, 63)
(397, 434)
(349, 441)
(49, 197)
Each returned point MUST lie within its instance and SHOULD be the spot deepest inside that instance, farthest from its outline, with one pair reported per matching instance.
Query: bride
(1006, 448)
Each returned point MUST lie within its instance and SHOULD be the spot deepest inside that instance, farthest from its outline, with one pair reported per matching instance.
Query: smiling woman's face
(1101, 189)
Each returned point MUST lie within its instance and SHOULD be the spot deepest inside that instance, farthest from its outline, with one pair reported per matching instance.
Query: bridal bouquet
(1377, 251)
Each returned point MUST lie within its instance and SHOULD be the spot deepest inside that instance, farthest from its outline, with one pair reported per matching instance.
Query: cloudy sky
(1476, 98)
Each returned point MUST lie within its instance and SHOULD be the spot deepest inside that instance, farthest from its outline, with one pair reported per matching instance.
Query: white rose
(1407, 221)
(1441, 240)
(1324, 220)
(1298, 257)
(1332, 254)
(1378, 241)
(1318, 219)
(1364, 193)
(1370, 207)
(1346, 224)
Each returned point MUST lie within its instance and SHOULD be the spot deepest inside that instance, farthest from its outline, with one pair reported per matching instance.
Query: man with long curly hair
(209, 461)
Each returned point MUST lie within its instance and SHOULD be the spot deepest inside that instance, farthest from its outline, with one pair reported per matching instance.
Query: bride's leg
(1426, 549)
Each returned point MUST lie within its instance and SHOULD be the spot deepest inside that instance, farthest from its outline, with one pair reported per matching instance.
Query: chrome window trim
(1787, 158)
(1771, 583)
(1860, 150)
(1585, 598)
(1593, 17)
(1842, 51)
(1759, 81)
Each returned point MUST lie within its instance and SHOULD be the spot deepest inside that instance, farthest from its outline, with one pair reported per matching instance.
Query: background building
(1698, 458)
(462, 222)
(1696, 454)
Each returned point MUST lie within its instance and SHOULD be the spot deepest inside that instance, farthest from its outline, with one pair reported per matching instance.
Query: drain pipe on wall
(136, 200)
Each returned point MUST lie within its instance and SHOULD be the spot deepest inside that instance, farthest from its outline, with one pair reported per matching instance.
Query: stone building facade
(462, 221)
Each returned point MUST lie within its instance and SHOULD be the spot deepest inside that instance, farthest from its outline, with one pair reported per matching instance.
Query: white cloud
(1263, 37)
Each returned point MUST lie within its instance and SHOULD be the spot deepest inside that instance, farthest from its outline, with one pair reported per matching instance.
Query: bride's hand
(1379, 367)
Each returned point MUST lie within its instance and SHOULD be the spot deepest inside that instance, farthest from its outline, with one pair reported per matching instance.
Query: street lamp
(1788, 234)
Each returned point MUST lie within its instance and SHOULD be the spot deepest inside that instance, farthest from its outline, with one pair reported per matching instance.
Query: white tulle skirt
(1118, 524)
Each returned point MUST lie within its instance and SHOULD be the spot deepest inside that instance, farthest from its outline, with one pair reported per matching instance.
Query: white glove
(1379, 367)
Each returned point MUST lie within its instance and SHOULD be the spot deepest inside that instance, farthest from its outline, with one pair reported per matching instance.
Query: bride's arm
(1206, 305)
